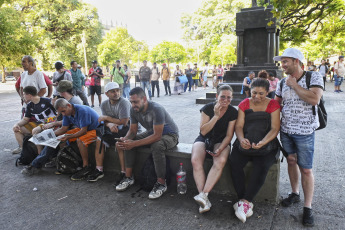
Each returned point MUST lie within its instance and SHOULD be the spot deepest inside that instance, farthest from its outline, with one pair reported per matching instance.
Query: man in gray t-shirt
(161, 134)
(115, 115)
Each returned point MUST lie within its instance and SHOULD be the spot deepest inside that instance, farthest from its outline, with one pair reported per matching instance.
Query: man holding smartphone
(161, 134)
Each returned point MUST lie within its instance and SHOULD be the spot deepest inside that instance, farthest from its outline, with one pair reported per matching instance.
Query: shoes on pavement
(95, 175)
(30, 170)
(82, 174)
(243, 210)
(291, 199)
(158, 190)
(121, 177)
(201, 199)
(17, 150)
(308, 218)
(206, 208)
(124, 184)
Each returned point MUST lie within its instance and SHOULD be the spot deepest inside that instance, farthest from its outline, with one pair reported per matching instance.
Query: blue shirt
(84, 116)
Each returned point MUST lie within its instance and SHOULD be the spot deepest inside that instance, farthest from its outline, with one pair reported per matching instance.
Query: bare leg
(83, 152)
(198, 158)
(307, 178)
(99, 156)
(293, 171)
(121, 158)
(92, 99)
(100, 99)
(217, 169)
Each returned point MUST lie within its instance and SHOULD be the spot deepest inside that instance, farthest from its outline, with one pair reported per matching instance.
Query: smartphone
(118, 139)
(211, 153)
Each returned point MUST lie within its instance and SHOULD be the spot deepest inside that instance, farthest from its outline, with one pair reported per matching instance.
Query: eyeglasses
(227, 98)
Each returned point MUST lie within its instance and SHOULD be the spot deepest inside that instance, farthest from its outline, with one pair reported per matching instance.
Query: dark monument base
(257, 43)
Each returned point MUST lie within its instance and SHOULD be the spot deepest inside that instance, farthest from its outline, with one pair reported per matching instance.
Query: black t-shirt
(42, 112)
(218, 133)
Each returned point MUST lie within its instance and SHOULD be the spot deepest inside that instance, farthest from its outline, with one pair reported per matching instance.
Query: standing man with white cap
(298, 125)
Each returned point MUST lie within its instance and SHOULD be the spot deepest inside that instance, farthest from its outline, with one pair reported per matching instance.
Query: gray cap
(64, 86)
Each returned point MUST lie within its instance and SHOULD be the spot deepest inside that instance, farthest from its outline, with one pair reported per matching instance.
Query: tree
(303, 19)
(118, 44)
(225, 52)
(15, 41)
(205, 28)
(168, 52)
(58, 26)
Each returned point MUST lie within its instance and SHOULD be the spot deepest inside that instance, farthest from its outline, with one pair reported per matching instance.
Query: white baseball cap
(110, 86)
(291, 53)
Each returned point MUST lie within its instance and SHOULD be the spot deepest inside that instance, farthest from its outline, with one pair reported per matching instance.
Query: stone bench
(182, 154)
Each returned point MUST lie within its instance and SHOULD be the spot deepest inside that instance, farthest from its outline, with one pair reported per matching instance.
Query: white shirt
(341, 68)
(36, 79)
(297, 115)
(205, 71)
(322, 70)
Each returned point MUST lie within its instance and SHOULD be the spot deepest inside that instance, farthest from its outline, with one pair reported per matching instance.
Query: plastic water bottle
(181, 181)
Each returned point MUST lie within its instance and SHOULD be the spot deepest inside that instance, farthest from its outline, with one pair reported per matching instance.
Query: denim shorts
(338, 80)
(302, 145)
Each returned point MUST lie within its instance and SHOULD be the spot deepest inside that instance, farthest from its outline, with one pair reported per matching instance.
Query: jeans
(82, 96)
(146, 84)
(157, 148)
(261, 166)
(126, 91)
(155, 84)
(46, 154)
(302, 145)
(190, 83)
(167, 87)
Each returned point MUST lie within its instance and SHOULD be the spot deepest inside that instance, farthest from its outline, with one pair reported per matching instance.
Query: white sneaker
(17, 150)
(206, 208)
(158, 190)
(243, 210)
(201, 199)
(250, 211)
(124, 184)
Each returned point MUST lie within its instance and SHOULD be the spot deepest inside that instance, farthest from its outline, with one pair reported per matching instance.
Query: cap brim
(277, 58)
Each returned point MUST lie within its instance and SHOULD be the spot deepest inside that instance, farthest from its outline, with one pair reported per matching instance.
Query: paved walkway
(60, 203)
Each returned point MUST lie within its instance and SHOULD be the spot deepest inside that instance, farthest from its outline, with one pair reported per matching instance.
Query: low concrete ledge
(182, 154)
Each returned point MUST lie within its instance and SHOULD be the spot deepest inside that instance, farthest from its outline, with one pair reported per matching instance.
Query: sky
(150, 20)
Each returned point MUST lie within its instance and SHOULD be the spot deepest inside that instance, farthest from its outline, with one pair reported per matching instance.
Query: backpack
(29, 152)
(321, 110)
(68, 160)
(147, 177)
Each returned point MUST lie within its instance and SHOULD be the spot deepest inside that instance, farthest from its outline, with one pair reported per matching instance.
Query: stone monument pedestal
(257, 43)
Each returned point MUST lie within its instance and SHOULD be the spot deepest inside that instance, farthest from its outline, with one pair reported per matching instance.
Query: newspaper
(46, 137)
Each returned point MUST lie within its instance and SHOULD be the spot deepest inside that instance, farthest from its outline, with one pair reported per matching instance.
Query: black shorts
(95, 89)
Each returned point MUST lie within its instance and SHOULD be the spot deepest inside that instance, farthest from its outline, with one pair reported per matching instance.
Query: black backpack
(147, 177)
(68, 160)
(321, 110)
(29, 152)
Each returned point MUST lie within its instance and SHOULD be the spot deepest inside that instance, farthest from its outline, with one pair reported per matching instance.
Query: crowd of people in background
(256, 123)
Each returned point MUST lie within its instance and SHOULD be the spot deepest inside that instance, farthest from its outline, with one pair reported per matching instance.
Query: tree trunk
(3, 74)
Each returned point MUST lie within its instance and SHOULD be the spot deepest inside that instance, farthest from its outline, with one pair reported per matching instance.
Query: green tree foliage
(317, 27)
(15, 40)
(118, 44)
(58, 27)
(210, 25)
(169, 52)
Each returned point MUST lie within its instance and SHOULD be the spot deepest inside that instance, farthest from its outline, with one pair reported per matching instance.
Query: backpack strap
(307, 80)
